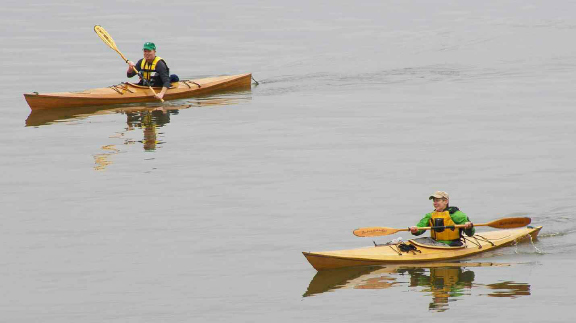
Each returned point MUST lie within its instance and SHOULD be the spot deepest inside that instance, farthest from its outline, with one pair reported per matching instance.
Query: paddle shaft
(505, 223)
(458, 226)
(392, 231)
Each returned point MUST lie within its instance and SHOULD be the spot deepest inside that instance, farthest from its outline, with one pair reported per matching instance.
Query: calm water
(363, 110)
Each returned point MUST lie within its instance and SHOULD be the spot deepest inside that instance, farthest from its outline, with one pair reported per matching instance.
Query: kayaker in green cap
(152, 64)
(444, 216)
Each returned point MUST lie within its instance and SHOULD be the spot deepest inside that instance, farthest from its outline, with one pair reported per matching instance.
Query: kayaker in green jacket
(444, 216)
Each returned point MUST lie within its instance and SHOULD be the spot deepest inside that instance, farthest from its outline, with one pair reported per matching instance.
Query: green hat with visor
(149, 46)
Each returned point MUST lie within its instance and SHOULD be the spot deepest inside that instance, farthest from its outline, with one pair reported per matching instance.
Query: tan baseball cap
(439, 195)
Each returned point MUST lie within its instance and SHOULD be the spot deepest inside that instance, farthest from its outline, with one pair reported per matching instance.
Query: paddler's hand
(130, 67)
(160, 95)
(468, 225)
(413, 230)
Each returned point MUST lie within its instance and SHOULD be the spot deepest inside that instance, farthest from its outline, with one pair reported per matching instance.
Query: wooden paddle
(505, 223)
(105, 36)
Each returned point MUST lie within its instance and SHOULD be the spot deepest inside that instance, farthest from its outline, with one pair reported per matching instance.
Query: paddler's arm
(423, 223)
(162, 71)
(460, 217)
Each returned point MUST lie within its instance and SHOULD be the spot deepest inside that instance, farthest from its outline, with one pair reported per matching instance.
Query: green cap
(149, 46)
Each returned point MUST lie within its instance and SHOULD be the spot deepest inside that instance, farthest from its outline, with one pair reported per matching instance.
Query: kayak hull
(389, 254)
(132, 93)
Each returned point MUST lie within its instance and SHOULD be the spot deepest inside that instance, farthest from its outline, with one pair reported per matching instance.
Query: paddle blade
(509, 223)
(105, 36)
(375, 231)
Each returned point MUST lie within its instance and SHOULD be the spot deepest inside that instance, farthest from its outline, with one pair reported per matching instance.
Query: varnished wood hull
(388, 255)
(132, 93)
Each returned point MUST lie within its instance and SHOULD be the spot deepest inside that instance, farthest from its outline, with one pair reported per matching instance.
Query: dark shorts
(456, 243)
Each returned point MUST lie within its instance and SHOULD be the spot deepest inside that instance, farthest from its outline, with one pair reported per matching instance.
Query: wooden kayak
(132, 93)
(393, 254)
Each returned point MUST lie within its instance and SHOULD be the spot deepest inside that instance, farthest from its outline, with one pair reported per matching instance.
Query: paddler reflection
(444, 282)
(149, 121)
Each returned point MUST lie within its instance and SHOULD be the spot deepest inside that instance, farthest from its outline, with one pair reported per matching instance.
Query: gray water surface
(363, 109)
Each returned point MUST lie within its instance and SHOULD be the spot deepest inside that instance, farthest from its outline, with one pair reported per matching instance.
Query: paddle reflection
(445, 283)
(149, 120)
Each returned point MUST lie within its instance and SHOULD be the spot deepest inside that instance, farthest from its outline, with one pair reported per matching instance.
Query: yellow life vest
(443, 219)
(147, 68)
(444, 278)
(149, 127)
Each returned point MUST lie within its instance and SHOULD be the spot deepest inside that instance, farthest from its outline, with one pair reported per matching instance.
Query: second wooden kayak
(132, 93)
(393, 254)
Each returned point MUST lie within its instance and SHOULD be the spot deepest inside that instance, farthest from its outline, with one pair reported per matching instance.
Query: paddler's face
(149, 55)
(440, 204)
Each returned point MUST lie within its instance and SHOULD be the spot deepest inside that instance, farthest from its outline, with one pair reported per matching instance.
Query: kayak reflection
(46, 117)
(149, 118)
(444, 282)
